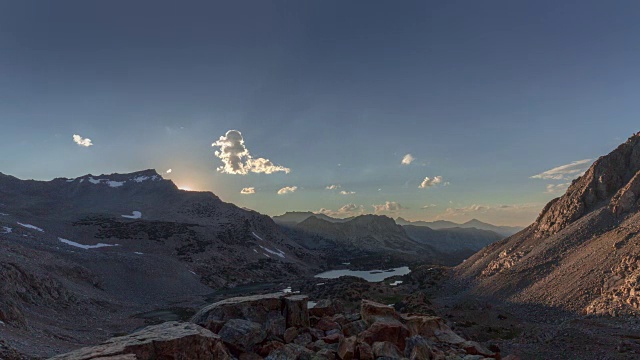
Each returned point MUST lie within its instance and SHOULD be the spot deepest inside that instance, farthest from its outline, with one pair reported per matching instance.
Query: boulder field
(279, 326)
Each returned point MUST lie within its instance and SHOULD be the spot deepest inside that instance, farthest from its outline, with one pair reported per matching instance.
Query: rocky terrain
(79, 258)
(280, 326)
(457, 243)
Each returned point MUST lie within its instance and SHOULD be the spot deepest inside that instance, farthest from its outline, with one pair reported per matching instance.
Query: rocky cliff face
(573, 256)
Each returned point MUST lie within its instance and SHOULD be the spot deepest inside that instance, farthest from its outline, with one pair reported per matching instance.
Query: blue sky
(484, 94)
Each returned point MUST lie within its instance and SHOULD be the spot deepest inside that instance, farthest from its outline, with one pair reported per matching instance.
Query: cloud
(429, 206)
(287, 190)
(248, 191)
(407, 159)
(333, 187)
(237, 160)
(517, 213)
(345, 211)
(565, 172)
(557, 188)
(343, 192)
(169, 171)
(86, 142)
(389, 206)
(429, 182)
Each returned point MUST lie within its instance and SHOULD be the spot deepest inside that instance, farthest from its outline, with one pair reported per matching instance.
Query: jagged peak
(596, 188)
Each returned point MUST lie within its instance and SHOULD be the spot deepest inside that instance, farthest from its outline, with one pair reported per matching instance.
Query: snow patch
(395, 283)
(136, 215)
(140, 178)
(86, 247)
(257, 237)
(71, 180)
(29, 226)
(115, 184)
(111, 183)
(287, 290)
(266, 255)
(277, 253)
(311, 304)
(138, 253)
(255, 251)
(3, 214)
(7, 230)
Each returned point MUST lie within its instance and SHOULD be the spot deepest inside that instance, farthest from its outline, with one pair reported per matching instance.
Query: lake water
(369, 275)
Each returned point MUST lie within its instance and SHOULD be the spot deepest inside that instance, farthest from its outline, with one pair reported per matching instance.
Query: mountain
(362, 237)
(460, 241)
(474, 223)
(292, 218)
(582, 252)
(96, 250)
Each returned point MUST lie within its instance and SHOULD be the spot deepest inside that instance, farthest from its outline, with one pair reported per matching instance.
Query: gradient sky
(484, 94)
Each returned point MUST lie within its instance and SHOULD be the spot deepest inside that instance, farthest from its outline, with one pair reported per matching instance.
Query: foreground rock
(170, 340)
(279, 327)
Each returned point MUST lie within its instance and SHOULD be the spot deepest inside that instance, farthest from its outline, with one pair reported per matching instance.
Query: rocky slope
(581, 254)
(80, 257)
(279, 326)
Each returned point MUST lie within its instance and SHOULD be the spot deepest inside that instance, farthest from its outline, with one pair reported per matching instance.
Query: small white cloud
(343, 192)
(248, 191)
(389, 206)
(429, 206)
(345, 211)
(333, 187)
(237, 160)
(86, 142)
(407, 159)
(169, 171)
(287, 190)
(565, 172)
(429, 182)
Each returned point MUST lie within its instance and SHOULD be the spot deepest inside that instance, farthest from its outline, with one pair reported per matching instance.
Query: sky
(421, 109)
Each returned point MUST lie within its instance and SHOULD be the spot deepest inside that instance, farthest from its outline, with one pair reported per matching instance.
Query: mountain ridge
(581, 252)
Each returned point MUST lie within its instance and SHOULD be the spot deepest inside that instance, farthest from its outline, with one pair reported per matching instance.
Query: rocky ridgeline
(280, 327)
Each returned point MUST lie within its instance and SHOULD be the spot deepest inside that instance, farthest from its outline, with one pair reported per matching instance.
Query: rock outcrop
(580, 253)
(170, 340)
(241, 328)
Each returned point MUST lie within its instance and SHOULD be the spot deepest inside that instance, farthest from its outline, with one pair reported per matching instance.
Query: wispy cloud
(345, 211)
(407, 159)
(429, 182)
(86, 142)
(287, 190)
(343, 192)
(237, 159)
(565, 172)
(248, 191)
(333, 187)
(429, 206)
(557, 188)
(388, 207)
(169, 171)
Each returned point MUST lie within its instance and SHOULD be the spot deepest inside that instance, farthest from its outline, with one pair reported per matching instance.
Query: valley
(90, 258)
